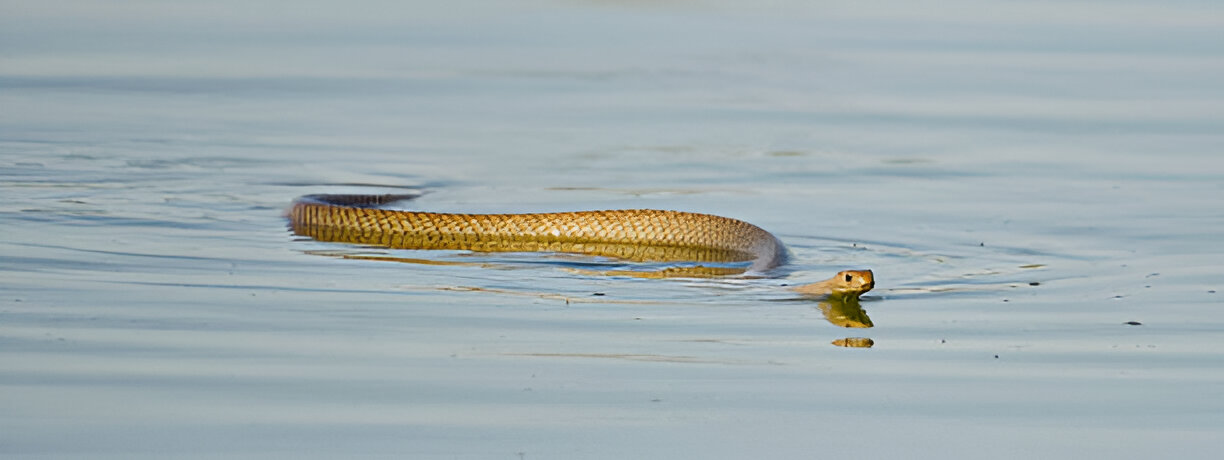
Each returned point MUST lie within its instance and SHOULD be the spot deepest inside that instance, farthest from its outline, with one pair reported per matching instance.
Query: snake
(639, 235)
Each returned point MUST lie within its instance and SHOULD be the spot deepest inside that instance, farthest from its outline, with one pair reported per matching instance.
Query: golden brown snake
(635, 234)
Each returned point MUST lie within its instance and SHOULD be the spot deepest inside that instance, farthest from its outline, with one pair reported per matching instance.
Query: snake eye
(849, 277)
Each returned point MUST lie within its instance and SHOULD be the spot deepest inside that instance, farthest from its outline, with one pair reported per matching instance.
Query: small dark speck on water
(1133, 323)
(982, 244)
(1211, 291)
(1034, 283)
(996, 356)
(1005, 300)
(597, 293)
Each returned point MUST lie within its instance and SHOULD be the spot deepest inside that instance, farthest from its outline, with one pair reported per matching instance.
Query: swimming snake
(642, 235)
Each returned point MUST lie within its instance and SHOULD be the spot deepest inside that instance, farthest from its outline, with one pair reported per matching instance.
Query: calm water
(1024, 179)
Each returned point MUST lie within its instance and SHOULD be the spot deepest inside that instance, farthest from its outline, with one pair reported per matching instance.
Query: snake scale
(637, 235)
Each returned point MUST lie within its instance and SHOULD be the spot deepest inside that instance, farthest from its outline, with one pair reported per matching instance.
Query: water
(1024, 179)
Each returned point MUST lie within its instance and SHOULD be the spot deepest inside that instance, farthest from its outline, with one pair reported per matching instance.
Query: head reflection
(845, 311)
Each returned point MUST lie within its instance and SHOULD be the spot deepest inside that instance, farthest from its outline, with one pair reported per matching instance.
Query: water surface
(1026, 180)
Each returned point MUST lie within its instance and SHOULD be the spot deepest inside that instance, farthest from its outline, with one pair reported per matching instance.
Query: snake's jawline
(635, 234)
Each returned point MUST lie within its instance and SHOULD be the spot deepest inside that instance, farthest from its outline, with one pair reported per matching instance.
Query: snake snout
(863, 280)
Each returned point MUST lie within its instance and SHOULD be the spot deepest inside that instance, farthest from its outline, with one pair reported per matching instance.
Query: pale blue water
(153, 304)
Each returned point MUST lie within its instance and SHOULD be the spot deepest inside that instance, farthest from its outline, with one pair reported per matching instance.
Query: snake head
(853, 282)
(847, 283)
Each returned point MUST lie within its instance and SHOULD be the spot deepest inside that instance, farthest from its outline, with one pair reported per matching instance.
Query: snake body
(635, 234)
